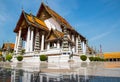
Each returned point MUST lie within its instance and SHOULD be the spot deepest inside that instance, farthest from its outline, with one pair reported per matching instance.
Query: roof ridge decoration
(24, 13)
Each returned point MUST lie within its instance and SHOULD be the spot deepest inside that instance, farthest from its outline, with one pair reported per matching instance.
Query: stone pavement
(109, 69)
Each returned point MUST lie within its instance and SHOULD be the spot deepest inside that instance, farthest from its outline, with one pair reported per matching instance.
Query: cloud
(104, 34)
(100, 36)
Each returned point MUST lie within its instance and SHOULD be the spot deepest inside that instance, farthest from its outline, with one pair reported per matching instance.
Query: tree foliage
(9, 57)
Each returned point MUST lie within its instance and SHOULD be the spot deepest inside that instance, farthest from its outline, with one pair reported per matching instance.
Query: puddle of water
(52, 72)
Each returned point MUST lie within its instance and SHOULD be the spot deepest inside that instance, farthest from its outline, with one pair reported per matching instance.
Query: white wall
(51, 23)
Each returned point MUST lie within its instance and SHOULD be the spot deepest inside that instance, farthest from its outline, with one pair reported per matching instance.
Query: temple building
(112, 56)
(47, 33)
(8, 47)
(5, 50)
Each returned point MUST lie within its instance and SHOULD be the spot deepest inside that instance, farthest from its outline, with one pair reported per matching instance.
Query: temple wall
(51, 23)
(63, 58)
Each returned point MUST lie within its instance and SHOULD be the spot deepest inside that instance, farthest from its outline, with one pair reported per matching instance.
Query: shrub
(96, 58)
(8, 57)
(102, 59)
(43, 58)
(20, 58)
(83, 57)
(91, 58)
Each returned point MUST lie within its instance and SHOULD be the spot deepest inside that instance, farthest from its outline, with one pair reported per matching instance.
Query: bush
(9, 57)
(43, 58)
(83, 57)
(20, 58)
(91, 58)
(96, 59)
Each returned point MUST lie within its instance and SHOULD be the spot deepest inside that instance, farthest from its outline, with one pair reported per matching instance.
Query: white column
(19, 37)
(54, 45)
(58, 44)
(76, 44)
(31, 40)
(28, 40)
(73, 39)
(42, 42)
(48, 45)
(16, 42)
(84, 47)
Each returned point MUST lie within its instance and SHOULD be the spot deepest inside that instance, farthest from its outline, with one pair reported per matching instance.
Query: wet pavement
(111, 69)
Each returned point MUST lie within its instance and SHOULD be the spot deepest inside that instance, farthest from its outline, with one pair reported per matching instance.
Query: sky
(97, 20)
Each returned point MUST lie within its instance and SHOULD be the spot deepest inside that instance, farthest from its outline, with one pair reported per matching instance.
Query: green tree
(9, 57)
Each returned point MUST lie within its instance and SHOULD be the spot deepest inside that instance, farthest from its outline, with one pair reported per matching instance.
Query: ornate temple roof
(57, 17)
(8, 45)
(54, 15)
(112, 55)
(30, 20)
(54, 35)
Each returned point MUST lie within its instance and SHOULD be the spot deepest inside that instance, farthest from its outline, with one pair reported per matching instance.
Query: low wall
(51, 59)
(63, 58)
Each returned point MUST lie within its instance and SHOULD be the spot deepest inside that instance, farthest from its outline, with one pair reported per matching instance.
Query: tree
(9, 57)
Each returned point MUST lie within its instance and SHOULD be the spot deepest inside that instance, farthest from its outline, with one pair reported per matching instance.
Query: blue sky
(97, 20)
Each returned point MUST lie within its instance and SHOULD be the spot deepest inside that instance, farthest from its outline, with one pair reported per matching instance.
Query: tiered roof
(54, 35)
(58, 18)
(54, 15)
(112, 55)
(8, 45)
(30, 20)
(35, 21)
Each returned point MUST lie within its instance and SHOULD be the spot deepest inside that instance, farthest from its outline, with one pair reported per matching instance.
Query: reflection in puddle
(44, 72)
(8, 75)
